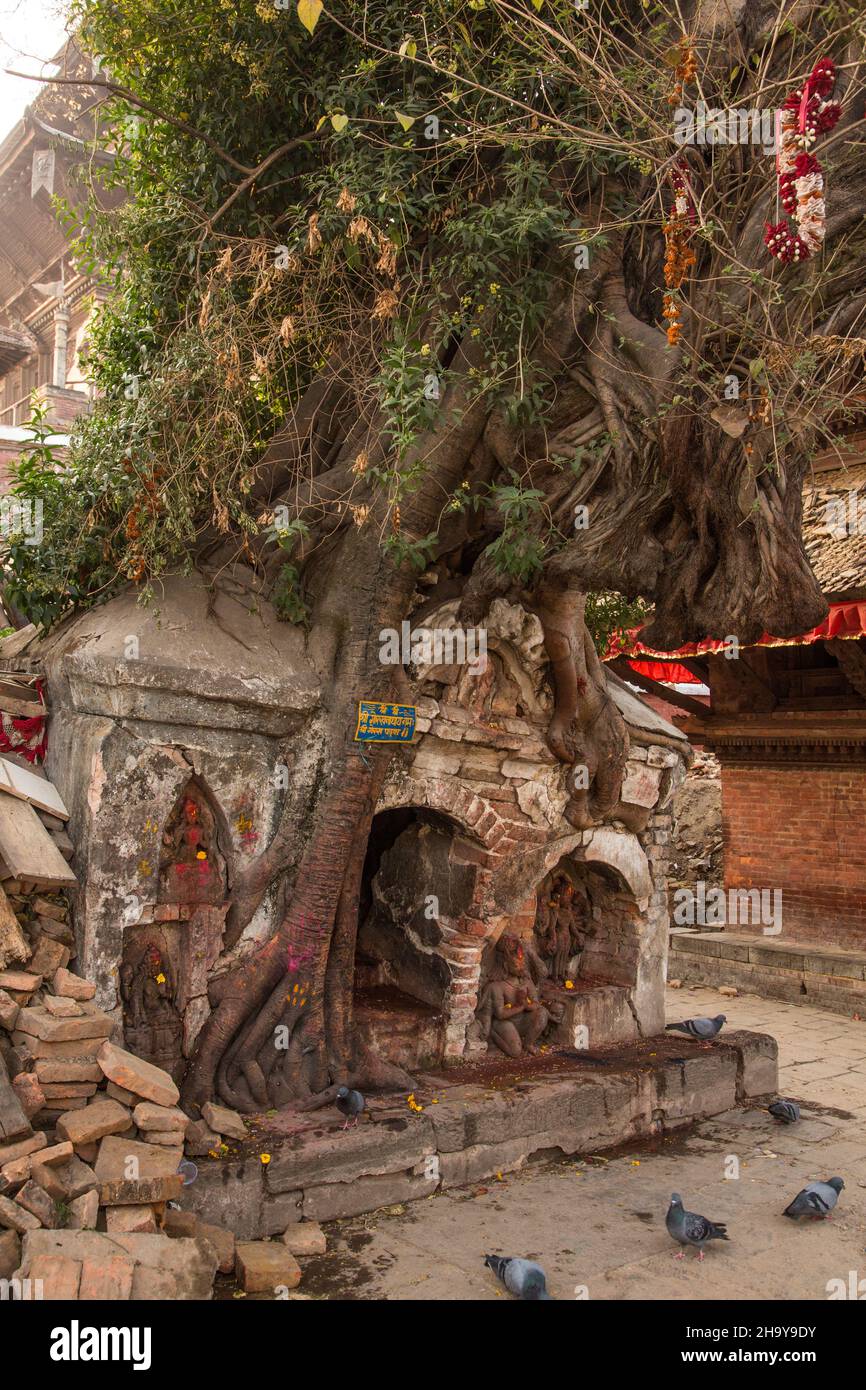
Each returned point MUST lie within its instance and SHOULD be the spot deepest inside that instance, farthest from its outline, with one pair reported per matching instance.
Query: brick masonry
(800, 828)
(510, 807)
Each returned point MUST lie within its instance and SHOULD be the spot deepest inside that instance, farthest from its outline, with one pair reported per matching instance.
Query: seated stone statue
(510, 1012)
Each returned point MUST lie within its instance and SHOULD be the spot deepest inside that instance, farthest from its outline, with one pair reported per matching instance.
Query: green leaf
(308, 13)
(756, 367)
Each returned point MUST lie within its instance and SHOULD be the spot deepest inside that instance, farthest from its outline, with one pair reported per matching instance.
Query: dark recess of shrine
(419, 874)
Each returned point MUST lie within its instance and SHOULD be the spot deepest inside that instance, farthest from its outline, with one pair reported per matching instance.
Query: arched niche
(167, 960)
(419, 880)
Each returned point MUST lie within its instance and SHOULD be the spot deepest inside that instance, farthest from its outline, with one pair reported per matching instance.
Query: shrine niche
(419, 879)
(191, 868)
(152, 1023)
(167, 959)
(569, 980)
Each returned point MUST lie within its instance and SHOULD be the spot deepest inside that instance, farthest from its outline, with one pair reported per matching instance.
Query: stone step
(800, 972)
(476, 1130)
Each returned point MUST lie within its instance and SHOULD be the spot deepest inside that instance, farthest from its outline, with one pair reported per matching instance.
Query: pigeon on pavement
(523, 1278)
(690, 1229)
(350, 1103)
(788, 1111)
(818, 1199)
(702, 1028)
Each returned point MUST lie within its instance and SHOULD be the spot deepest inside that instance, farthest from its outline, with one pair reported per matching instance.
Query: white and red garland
(806, 114)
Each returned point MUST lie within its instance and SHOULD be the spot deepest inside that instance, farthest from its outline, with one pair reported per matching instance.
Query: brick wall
(800, 829)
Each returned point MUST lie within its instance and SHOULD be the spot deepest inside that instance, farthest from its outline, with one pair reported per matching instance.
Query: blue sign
(384, 723)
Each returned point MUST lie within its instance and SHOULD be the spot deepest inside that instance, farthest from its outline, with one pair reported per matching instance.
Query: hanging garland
(806, 114)
(679, 257)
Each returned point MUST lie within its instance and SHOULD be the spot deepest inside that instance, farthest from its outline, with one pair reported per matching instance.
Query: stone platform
(476, 1121)
(827, 977)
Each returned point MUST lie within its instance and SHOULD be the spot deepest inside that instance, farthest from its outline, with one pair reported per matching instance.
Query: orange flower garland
(679, 257)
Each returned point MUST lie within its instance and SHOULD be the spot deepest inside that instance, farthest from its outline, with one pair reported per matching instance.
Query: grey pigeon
(350, 1104)
(690, 1229)
(818, 1199)
(788, 1111)
(524, 1278)
(702, 1028)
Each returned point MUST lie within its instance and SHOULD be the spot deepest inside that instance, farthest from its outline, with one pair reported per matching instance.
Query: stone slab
(266, 1266)
(94, 1122)
(39, 1023)
(144, 1079)
(474, 1132)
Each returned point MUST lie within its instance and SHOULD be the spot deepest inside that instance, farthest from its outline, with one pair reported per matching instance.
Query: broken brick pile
(90, 1187)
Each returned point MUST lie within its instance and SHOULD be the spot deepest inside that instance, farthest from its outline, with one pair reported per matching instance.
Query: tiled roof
(834, 528)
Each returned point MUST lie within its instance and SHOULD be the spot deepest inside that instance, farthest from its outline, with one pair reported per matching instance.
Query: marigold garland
(806, 114)
(685, 65)
(679, 257)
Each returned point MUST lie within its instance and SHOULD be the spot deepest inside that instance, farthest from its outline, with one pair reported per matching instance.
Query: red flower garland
(805, 115)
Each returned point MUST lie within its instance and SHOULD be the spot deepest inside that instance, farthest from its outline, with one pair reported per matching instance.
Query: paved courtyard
(597, 1224)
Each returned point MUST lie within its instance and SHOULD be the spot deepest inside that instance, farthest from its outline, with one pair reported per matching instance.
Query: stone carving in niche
(153, 1027)
(191, 868)
(563, 922)
(166, 962)
(510, 1012)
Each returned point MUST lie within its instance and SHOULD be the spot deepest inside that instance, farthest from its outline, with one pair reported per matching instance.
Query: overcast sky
(31, 32)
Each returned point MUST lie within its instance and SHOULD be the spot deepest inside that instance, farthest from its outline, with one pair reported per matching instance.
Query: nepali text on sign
(384, 723)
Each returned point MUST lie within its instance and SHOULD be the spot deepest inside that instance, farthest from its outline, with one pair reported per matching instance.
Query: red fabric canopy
(845, 620)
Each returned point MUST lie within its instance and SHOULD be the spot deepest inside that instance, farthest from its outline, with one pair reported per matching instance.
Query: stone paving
(596, 1223)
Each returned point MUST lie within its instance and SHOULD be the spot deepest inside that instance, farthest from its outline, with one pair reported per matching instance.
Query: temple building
(786, 718)
(46, 304)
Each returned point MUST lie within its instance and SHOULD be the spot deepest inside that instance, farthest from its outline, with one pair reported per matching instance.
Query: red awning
(845, 621)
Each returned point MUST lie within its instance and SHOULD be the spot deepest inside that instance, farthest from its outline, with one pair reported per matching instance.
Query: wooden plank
(21, 782)
(22, 709)
(650, 687)
(27, 848)
(17, 641)
(13, 943)
(20, 699)
(13, 1122)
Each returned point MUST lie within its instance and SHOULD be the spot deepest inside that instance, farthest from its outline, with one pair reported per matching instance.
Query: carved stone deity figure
(561, 926)
(510, 1012)
(152, 1024)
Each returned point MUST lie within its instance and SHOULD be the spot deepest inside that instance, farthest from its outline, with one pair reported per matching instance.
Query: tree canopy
(348, 193)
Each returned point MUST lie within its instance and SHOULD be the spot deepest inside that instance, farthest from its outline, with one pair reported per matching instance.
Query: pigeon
(818, 1199)
(524, 1278)
(702, 1028)
(350, 1104)
(787, 1111)
(690, 1229)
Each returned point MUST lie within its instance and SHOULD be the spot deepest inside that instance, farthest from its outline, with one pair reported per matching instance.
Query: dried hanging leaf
(309, 12)
(314, 236)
